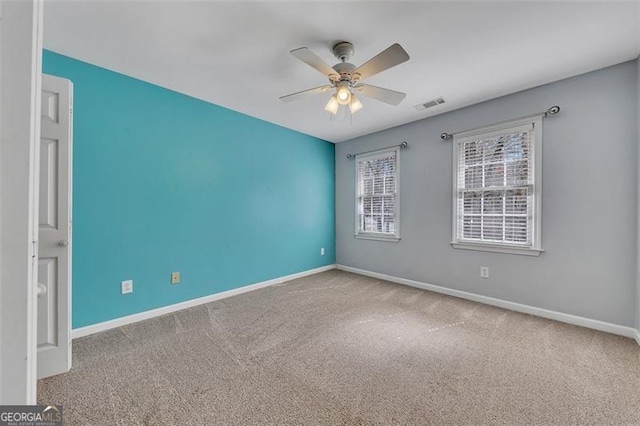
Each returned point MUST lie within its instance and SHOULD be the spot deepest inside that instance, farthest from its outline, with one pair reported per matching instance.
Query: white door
(54, 255)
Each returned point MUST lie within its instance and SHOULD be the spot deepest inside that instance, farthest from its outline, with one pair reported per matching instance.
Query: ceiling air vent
(431, 103)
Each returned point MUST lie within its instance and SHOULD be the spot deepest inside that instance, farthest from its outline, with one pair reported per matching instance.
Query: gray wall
(589, 210)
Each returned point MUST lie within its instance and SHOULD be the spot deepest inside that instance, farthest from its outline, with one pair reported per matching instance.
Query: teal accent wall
(164, 182)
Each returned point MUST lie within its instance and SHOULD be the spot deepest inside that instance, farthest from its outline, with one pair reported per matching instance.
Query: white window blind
(377, 194)
(495, 188)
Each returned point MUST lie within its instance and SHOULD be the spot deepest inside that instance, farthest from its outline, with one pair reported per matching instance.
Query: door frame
(20, 86)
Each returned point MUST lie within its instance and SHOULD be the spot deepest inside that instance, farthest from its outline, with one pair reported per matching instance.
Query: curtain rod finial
(553, 110)
(444, 136)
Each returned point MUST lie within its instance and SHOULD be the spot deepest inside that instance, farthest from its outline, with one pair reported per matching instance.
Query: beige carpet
(342, 349)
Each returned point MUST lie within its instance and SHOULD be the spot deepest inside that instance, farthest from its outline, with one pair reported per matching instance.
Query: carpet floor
(342, 349)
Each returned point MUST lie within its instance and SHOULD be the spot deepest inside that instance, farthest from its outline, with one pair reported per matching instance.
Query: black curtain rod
(551, 111)
(404, 144)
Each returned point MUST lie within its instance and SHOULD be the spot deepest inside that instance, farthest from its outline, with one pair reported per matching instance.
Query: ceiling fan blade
(298, 95)
(387, 96)
(390, 57)
(313, 60)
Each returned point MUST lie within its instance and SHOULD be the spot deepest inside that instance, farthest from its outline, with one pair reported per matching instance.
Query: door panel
(50, 105)
(48, 303)
(48, 183)
(54, 233)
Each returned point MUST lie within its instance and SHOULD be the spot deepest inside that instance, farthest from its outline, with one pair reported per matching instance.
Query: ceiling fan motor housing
(344, 69)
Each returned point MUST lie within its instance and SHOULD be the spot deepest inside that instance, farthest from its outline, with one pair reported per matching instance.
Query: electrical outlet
(175, 278)
(126, 286)
(484, 272)
(322, 251)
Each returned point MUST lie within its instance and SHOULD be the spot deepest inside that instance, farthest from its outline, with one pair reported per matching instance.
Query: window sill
(377, 237)
(525, 251)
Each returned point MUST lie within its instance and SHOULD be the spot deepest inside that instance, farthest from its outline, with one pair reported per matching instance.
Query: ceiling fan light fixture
(343, 94)
(344, 76)
(333, 105)
(355, 105)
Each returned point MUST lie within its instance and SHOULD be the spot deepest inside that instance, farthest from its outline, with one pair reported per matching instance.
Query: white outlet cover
(484, 272)
(322, 251)
(126, 286)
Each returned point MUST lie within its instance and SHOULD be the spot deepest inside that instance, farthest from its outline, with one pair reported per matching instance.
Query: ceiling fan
(346, 78)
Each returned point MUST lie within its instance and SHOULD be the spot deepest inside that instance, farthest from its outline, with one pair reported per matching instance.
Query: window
(497, 188)
(377, 195)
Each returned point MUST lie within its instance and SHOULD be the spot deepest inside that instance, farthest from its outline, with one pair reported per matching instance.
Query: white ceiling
(236, 54)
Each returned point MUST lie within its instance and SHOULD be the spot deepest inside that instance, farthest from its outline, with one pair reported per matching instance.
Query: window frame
(536, 222)
(376, 235)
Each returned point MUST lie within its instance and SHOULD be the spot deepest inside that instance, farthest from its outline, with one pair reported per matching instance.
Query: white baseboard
(118, 322)
(532, 310)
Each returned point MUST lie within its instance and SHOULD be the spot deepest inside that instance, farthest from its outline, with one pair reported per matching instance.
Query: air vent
(431, 103)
